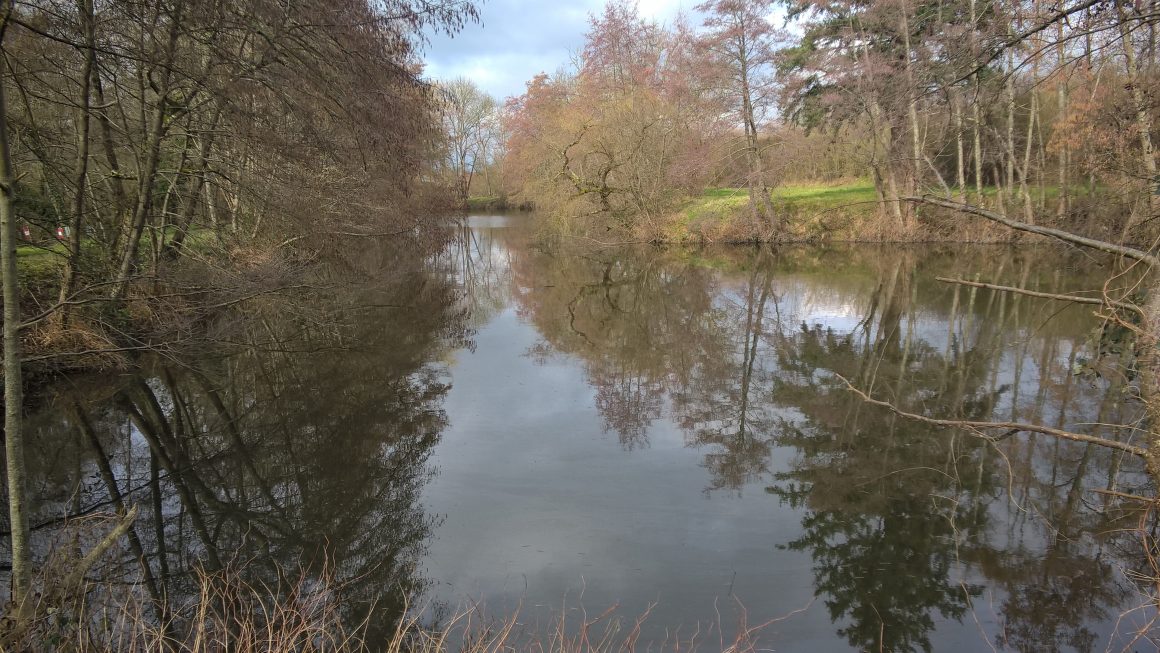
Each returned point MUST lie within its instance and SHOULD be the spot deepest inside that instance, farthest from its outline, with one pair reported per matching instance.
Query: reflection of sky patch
(514, 424)
(488, 221)
(541, 501)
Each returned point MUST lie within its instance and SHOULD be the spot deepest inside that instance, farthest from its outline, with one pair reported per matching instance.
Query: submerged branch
(1044, 295)
(972, 426)
(1066, 236)
(78, 573)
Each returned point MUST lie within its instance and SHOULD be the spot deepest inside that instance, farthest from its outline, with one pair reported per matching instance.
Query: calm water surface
(565, 426)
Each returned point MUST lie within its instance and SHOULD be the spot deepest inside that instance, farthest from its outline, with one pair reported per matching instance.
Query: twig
(88, 352)
(258, 293)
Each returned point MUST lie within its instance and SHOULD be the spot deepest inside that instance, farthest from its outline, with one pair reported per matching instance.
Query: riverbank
(185, 300)
(852, 212)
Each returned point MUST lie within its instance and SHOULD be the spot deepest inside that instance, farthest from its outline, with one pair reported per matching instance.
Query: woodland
(709, 128)
(166, 164)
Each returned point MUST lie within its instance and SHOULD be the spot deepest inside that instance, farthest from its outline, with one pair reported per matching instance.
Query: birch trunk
(912, 114)
(1009, 87)
(1061, 104)
(960, 150)
(975, 118)
(13, 379)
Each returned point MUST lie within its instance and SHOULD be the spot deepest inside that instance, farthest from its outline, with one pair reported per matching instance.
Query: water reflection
(907, 526)
(306, 449)
(651, 424)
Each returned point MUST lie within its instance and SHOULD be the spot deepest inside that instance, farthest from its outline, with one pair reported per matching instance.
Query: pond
(565, 428)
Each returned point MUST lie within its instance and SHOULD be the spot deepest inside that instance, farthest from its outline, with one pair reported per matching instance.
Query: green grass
(34, 262)
(722, 203)
(480, 202)
(811, 210)
(45, 260)
(827, 197)
(853, 197)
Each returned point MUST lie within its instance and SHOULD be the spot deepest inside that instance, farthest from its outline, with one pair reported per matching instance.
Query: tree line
(1039, 110)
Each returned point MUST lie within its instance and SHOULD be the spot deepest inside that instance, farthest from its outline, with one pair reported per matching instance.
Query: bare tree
(470, 122)
(742, 45)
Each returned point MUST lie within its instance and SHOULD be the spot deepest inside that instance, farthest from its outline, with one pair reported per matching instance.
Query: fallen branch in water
(975, 427)
(1124, 495)
(78, 573)
(1044, 295)
(1065, 236)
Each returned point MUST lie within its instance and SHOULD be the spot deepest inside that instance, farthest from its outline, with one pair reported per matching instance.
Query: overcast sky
(517, 39)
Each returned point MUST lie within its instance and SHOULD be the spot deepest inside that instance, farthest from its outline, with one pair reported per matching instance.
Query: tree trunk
(81, 172)
(1009, 87)
(144, 204)
(892, 181)
(1143, 123)
(1061, 105)
(116, 178)
(1148, 349)
(13, 380)
(758, 190)
(976, 121)
(911, 107)
(915, 182)
(879, 188)
(1032, 121)
(199, 186)
(960, 150)
(976, 135)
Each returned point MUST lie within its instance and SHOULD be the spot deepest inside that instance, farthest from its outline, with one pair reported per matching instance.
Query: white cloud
(518, 39)
(662, 10)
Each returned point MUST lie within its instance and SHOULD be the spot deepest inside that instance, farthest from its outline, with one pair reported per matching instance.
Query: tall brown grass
(232, 615)
(228, 612)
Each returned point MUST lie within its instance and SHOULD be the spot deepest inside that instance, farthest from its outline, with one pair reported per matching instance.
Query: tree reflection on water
(906, 525)
(303, 450)
(310, 439)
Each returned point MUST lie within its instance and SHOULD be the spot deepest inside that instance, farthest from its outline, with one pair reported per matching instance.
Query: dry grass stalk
(83, 605)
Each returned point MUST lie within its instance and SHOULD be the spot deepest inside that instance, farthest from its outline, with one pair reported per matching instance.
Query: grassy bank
(36, 261)
(813, 210)
(847, 211)
(41, 261)
(852, 196)
(162, 305)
